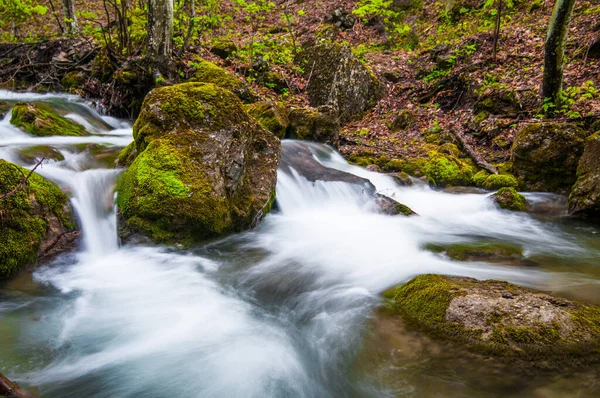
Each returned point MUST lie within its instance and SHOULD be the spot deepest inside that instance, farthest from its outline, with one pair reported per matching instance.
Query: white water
(275, 312)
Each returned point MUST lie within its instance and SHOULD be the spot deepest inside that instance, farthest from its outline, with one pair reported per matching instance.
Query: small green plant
(567, 99)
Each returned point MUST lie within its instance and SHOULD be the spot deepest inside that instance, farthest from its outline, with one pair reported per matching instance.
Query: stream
(288, 309)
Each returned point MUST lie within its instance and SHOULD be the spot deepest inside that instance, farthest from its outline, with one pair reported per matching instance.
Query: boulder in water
(339, 79)
(39, 119)
(545, 155)
(508, 198)
(585, 194)
(501, 319)
(201, 167)
(35, 219)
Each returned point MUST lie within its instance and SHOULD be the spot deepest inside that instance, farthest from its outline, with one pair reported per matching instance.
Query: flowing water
(285, 310)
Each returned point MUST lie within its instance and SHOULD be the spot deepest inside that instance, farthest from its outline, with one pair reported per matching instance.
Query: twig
(11, 389)
(23, 182)
(479, 161)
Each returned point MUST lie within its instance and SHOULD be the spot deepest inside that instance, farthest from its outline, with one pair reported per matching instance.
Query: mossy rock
(310, 124)
(509, 199)
(201, 167)
(102, 66)
(584, 199)
(127, 155)
(271, 116)
(39, 119)
(207, 72)
(33, 154)
(223, 48)
(448, 170)
(339, 79)
(499, 319)
(32, 219)
(403, 120)
(388, 206)
(485, 180)
(499, 103)
(545, 155)
(479, 251)
(73, 80)
(4, 108)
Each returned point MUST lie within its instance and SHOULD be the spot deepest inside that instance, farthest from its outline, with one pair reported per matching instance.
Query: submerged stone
(200, 167)
(500, 319)
(39, 119)
(35, 218)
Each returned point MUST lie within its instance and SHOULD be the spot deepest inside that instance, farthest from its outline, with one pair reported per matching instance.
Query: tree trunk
(555, 50)
(160, 29)
(70, 18)
(190, 31)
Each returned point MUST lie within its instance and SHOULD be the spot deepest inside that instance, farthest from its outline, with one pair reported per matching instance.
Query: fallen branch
(23, 182)
(11, 389)
(479, 161)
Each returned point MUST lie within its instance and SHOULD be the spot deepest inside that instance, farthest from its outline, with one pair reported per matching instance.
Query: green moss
(448, 170)
(270, 116)
(479, 251)
(497, 181)
(508, 198)
(73, 80)
(480, 177)
(127, 155)
(24, 216)
(207, 72)
(38, 118)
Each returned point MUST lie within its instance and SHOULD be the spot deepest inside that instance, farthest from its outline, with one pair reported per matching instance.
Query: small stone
(507, 296)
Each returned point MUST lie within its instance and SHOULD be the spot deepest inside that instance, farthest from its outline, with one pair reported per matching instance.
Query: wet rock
(391, 207)
(34, 154)
(271, 116)
(202, 167)
(402, 179)
(34, 217)
(207, 72)
(509, 199)
(374, 168)
(339, 79)
(545, 155)
(584, 199)
(531, 328)
(310, 124)
(39, 119)
(479, 252)
(4, 108)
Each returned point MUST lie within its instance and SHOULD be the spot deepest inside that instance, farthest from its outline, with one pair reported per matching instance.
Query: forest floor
(440, 68)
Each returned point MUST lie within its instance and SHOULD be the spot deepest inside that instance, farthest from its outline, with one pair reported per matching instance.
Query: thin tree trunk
(70, 17)
(190, 31)
(555, 50)
(497, 29)
(55, 13)
(160, 29)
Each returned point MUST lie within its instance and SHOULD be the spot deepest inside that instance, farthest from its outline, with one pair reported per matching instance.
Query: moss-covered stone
(584, 199)
(509, 199)
(403, 120)
(320, 125)
(127, 155)
(339, 79)
(223, 48)
(479, 251)
(500, 319)
(33, 154)
(102, 66)
(73, 80)
(270, 115)
(497, 181)
(446, 170)
(4, 108)
(545, 155)
(499, 103)
(202, 167)
(207, 72)
(30, 219)
(39, 119)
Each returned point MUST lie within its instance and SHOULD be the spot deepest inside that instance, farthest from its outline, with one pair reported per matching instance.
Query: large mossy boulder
(545, 155)
(509, 199)
(585, 195)
(339, 79)
(207, 72)
(500, 319)
(200, 167)
(35, 218)
(311, 124)
(270, 115)
(39, 119)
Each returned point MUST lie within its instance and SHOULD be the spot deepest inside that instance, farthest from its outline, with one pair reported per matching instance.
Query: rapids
(284, 310)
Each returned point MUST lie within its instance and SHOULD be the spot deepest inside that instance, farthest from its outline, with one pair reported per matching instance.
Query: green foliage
(16, 12)
(399, 33)
(568, 98)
